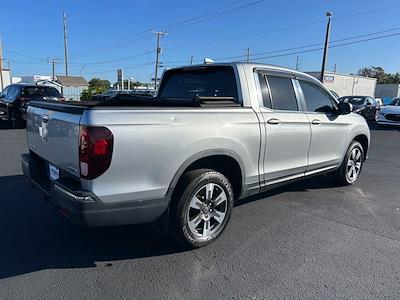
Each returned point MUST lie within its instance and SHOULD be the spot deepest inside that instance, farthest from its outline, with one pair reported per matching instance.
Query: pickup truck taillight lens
(95, 151)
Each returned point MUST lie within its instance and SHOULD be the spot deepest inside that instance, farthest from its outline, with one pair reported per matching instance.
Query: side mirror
(344, 108)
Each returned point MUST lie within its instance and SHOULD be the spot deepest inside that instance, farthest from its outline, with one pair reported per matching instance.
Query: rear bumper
(85, 209)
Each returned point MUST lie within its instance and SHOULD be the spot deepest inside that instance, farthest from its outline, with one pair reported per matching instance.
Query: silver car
(214, 134)
(390, 114)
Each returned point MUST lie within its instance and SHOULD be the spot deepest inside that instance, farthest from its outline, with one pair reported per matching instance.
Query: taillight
(95, 151)
(61, 99)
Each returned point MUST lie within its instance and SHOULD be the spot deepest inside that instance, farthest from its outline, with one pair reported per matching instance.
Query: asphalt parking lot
(306, 240)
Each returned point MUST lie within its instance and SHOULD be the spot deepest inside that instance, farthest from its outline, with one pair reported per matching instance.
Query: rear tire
(351, 167)
(201, 207)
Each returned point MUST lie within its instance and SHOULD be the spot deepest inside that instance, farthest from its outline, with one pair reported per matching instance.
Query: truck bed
(76, 107)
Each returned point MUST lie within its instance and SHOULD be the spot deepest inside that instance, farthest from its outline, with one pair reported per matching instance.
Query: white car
(390, 114)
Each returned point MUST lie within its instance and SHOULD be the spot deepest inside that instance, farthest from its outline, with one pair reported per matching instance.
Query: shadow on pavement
(34, 236)
(317, 182)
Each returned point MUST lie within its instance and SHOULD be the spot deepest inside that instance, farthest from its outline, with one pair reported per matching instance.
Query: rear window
(40, 91)
(282, 93)
(199, 82)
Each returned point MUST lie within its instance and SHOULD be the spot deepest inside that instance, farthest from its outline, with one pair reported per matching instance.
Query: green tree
(96, 86)
(380, 74)
(133, 84)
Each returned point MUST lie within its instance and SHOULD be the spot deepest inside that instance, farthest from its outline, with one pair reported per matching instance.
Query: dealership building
(346, 85)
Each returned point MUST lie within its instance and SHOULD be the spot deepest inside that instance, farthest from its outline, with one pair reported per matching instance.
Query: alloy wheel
(207, 210)
(354, 164)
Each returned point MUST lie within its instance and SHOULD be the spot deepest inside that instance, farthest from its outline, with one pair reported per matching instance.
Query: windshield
(40, 91)
(199, 82)
(395, 102)
(353, 100)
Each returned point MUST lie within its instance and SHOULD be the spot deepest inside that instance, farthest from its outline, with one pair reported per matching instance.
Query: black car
(14, 99)
(366, 106)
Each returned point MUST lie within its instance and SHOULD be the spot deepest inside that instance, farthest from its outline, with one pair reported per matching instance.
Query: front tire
(352, 164)
(201, 208)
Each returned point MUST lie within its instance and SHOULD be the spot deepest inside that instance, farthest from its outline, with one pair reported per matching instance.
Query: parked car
(214, 134)
(14, 99)
(390, 114)
(366, 106)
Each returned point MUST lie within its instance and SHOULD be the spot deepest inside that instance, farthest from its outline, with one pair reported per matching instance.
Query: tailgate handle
(45, 118)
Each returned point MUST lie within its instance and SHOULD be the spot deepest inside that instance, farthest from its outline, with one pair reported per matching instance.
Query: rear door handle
(274, 121)
(316, 122)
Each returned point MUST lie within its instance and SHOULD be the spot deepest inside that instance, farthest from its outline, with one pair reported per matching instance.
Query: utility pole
(248, 54)
(65, 43)
(158, 52)
(53, 62)
(297, 62)
(325, 57)
(191, 60)
(334, 69)
(1, 66)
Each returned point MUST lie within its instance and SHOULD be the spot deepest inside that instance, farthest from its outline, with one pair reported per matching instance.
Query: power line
(284, 28)
(172, 27)
(311, 45)
(254, 55)
(333, 46)
(127, 68)
(114, 60)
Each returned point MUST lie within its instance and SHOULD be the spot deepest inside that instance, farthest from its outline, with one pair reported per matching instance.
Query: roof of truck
(252, 65)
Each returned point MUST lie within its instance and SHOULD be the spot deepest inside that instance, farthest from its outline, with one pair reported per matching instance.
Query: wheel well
(223, 164)
(363, 140)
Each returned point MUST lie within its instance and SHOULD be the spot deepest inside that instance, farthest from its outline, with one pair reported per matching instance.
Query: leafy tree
(132, 84)
(380, 74)
(96, 86)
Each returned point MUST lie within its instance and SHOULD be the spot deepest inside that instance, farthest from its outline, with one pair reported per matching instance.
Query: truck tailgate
(54, 136)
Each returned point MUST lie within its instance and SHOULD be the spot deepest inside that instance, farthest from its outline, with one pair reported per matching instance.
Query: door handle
(274, 121)
(316, 122)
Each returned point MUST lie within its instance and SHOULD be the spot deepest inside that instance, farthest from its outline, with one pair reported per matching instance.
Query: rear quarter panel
(150, 145)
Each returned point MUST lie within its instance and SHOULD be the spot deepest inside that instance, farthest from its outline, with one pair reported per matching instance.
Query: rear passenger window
(317, 100)
(282, 93)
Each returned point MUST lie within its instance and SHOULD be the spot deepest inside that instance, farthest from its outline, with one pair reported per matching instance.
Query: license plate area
(54, 172)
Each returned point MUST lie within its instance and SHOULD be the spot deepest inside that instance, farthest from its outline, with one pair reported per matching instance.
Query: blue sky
(106, 35)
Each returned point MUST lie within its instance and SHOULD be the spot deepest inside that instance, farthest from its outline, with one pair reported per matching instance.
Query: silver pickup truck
(213, 134)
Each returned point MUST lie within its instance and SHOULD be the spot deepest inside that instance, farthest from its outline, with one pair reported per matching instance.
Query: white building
(5, 78)
(347, 85)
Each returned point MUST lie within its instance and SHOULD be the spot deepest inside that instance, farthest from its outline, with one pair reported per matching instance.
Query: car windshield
(395, 102)
(353, 100)
(190, 83)
(40, 91)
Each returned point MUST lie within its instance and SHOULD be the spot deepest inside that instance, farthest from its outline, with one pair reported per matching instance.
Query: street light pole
(65, 43)
(325, 57)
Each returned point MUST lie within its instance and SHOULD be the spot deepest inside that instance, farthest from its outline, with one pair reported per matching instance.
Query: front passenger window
(317, 100)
